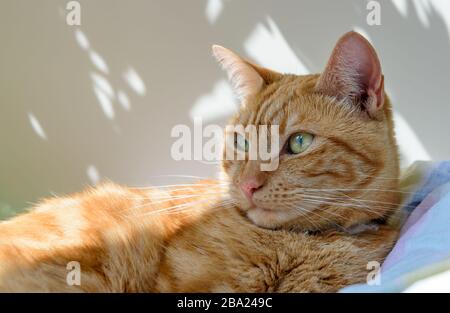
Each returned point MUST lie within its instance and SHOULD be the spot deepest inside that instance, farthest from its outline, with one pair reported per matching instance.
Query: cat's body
(300, 227)
(207, 249)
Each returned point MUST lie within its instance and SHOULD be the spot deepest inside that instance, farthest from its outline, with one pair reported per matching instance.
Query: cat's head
(337, 157)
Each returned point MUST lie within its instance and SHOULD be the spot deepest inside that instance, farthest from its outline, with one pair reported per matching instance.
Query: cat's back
(112, 232)
(129, 240)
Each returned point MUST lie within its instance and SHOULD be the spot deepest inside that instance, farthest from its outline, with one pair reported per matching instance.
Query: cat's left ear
(353, 74)
(247, 78)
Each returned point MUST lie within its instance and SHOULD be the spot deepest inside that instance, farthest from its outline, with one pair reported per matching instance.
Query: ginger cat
(311, 225)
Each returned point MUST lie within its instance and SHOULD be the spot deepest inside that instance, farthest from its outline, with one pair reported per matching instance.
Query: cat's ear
(247, 79)
(353, 74)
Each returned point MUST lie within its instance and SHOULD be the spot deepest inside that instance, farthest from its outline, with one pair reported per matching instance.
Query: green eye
(241, 143)
(299, 142)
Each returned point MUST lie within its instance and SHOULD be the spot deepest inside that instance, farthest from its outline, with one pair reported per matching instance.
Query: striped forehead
(276, 109)
(280, 103)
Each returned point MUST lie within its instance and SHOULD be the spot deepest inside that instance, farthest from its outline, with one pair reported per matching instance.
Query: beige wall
(55, 135)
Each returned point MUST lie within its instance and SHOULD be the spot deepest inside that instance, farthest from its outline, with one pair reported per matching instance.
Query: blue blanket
(420, 260)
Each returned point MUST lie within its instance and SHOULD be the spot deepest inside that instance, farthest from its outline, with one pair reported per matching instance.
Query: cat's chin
(268, 218)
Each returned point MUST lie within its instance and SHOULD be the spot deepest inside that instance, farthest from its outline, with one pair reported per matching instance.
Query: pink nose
(249, 187)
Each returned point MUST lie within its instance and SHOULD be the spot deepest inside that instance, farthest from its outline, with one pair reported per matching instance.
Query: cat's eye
(299, 142)
(241, 143)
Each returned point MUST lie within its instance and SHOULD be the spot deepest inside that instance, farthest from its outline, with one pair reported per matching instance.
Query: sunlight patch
(134, 81)
(98, 62)
(93, 174)
(270, 49)
(82, 40)
(411, 149)
(37, 127)
(102, 83)
(123, 100)
(105, 102)
(219, 103)
(213, 10)
(423, 8)
(402, 7)
(442, 7)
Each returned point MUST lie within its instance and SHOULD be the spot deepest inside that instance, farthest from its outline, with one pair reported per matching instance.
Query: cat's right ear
(246, 78)
(353, 74)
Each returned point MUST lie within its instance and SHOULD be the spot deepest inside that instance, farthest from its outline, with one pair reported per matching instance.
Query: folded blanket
(420, 260)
